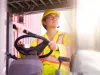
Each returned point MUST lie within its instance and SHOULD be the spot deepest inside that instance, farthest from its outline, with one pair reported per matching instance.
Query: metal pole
(7, 44)
(9, 38)
(3, 7)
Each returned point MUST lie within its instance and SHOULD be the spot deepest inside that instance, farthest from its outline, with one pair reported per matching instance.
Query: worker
(60, 43)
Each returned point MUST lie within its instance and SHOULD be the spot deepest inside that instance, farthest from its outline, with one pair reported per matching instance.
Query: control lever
(61, 59)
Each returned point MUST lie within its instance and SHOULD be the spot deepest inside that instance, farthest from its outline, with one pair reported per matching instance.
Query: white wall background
(88, 24)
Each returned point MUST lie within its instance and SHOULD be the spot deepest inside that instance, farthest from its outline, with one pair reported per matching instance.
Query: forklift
(25, 7)
(31, 65)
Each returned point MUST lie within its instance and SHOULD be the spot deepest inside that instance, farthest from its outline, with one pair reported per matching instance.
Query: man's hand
(20, 44)
(53, 45)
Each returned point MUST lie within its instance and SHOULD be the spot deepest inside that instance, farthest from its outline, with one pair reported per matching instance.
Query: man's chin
(54, 26)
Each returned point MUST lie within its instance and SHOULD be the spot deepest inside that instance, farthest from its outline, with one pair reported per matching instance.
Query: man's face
(51, 21)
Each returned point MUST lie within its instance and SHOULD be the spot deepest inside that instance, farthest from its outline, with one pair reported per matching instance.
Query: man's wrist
(57, 48)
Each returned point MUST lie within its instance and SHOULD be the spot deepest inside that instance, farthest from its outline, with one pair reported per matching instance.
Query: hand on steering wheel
(53, 45)
(20, 43)
(29, 51)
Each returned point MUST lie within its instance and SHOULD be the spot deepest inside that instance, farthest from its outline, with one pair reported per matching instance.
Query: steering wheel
(32, 50)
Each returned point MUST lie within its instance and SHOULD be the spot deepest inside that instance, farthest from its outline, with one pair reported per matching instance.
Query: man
(60, 43)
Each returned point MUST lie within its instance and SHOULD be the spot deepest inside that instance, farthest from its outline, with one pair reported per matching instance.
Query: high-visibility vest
(50, 64)
(53, 57)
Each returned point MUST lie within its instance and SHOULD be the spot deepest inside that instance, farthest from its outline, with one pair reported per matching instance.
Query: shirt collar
(55, 37)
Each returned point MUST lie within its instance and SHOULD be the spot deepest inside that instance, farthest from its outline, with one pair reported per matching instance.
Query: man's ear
(44, 23)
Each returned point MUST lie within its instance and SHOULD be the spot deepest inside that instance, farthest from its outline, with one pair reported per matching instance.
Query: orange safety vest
(52, 58)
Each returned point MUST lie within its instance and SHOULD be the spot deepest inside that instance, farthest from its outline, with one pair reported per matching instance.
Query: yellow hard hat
(50, 11)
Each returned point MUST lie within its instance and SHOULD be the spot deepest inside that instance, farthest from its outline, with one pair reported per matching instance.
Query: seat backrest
(25, 67)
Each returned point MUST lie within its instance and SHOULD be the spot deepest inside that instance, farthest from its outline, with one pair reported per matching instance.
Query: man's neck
(51, 33)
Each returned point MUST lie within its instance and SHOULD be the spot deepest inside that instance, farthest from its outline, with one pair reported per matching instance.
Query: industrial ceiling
(32, 6)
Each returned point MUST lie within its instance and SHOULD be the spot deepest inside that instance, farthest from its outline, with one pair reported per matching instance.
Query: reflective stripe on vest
(52, 58)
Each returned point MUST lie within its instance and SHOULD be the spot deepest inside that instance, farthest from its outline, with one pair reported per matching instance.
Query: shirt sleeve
(65, 47)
